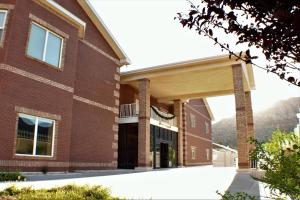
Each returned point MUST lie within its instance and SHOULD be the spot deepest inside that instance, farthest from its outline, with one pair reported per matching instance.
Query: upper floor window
(45, 45)
(35, 136)
(193, 120)
(3, 16)
(206, 127)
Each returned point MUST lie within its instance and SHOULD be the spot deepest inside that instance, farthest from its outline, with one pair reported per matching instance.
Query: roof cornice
(99, 23)
(64, 14)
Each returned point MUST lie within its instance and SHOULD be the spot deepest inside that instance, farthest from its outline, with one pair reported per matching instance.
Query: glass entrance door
(163, 149)
(164, 155)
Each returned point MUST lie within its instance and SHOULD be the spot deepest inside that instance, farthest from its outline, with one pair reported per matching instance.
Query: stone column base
(245, 170)
(143, 168)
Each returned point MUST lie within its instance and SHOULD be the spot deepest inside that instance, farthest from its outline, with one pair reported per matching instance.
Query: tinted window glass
(25, 135)
(36, 42)
(44, 137)
(53, 50)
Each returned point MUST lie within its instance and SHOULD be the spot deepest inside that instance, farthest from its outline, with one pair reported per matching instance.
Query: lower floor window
(193, 153)
(35, 136)
(207, 154)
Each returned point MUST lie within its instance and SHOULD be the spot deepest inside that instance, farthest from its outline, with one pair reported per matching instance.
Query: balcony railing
(132, 110)
(129, 110)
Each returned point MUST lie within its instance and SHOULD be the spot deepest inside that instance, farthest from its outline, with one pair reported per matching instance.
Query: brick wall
(84, 93)
(195, 136)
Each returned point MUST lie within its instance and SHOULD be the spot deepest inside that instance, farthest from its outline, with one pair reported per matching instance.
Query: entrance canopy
(191, 79)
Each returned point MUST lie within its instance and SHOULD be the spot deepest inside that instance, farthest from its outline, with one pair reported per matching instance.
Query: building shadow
(84, 174)
(244, 183)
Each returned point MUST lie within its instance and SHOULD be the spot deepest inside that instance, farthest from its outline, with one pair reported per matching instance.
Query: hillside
(280, 116)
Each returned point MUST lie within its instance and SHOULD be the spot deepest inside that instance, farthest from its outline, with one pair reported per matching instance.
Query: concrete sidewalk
(178, 183)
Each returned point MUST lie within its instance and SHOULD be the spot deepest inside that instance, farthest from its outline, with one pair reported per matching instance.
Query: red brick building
(162, 127)
(61, 88)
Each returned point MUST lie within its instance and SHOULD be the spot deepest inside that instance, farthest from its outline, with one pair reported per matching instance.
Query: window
(193, 153)
(35, 136)
(207, 154)
(206, 131)
(3, 15)
(45, 45)
(193, 120)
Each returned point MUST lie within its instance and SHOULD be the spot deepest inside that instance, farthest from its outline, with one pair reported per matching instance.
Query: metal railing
(132, 110)
(129, 110)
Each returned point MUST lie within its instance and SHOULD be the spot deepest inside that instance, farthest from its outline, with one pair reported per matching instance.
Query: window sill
(59, 69)
(26, 156)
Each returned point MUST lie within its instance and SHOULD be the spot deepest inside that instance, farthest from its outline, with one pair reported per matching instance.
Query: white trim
(35, 136)
(193, 120)
(128, 120)
(212, 118)
(64, 12)
(163, 125)
(180, 64)
(124, 60)
(207, 154)
(224, 147)
(45, 45)
(193, 152)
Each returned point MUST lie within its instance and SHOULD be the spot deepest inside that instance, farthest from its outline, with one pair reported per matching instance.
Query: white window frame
(35, 136)
(206, 125)
(45, 44)
(193, 120)
(4, 23)
(207, 154)
(193, 149)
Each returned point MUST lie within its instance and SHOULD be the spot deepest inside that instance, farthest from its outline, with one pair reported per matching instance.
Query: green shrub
(69, 192)
(11, 176)
(236, 196)
(280, 158)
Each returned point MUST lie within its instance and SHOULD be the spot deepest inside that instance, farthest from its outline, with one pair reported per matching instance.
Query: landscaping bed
(69, 192)
(11, 176)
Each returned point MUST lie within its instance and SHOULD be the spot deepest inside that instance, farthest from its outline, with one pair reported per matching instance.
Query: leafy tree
(280, 158)
(270, 25)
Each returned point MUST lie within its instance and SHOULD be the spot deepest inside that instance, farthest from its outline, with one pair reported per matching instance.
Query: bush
(70, 192)
(280, 158)
(11, 176)
(236, 196)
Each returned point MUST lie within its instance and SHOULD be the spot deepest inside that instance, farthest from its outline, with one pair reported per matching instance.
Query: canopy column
(250, 123)
(178, 114)
(144, 124)
(241, 117)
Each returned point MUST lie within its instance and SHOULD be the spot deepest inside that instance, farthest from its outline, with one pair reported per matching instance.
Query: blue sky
(150, 36)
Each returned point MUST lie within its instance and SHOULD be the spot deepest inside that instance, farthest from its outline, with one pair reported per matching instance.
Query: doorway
(164, 155)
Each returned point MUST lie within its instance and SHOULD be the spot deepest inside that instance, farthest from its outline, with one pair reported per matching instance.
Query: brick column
(241, 117)
(178, 114)
(144, 124)
(184, 134)
(250, 124)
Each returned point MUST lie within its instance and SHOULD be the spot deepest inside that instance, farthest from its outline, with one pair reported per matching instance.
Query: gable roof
(57, 9)
(208, 109)
(98, 22)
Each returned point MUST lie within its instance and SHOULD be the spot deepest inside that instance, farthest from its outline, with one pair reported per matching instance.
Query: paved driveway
(179, 183)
